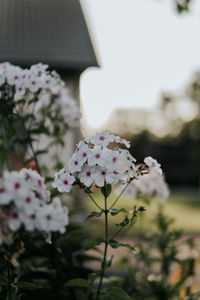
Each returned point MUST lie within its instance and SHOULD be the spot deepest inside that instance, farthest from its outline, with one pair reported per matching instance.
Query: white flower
(101, 138)
(86, 175)
(83, 152)
(52, 218)
(96, 157)
(31, 220)
(75, 163)
(153, 164)
(28, 202)
(119, 140)
(132, 171)
(15, 219)
(14, 75)
(63, 181)
(33, 83)
(113, 161)
(6, 195)
(36, 183)
(64, 219)
(125, 155)
(149, 185)
(17, 184)
(19, 91)
(102, 175)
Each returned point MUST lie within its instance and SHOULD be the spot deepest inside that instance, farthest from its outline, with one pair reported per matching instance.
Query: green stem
(116, 233)
(94, 201)
(9, 282)
(105, 250)
(119, 196)
(35, 157)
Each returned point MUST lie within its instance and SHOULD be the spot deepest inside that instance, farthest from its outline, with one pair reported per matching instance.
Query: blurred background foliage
(183, 5)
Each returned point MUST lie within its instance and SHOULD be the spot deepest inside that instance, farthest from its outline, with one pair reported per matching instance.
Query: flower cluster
(148, 185)
(18, 84)
(24, 201)
(99, 160)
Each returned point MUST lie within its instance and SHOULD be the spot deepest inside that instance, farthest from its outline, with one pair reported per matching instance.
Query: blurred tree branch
(183, 5)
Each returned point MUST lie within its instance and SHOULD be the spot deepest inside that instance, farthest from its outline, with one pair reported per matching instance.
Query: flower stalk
(105, 248)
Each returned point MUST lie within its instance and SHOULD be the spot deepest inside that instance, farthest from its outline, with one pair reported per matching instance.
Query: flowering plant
(163, 270)
(33, 102)
(24, 202)
(101, 161)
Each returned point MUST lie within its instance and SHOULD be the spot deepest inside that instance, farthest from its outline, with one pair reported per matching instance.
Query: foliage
(157, 256)
(44, 269)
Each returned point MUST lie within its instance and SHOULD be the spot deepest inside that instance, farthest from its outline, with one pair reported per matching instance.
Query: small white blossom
(148, 185)
(86, 175)
(102, 176)
(153, 164)
(75, 163)
(101, 138)
(63, 181)
(52, 217)
(96, 157)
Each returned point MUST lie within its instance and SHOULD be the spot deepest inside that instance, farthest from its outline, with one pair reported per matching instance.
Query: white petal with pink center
(84, 152)
(97, 157)
(75, 163)
(86, 176)
(63, 181)
(101, 138)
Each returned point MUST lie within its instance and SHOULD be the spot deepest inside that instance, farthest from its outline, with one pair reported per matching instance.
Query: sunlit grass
(183, 206)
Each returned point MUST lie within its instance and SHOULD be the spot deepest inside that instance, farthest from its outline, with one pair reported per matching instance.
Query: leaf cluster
(156, 255)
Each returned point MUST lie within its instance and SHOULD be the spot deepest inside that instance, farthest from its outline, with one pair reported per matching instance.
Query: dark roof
(48, 31)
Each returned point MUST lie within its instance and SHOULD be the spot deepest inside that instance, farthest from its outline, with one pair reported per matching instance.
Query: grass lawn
(183, 206)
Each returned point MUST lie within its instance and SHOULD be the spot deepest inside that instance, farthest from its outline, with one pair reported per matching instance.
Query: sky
(144, 48)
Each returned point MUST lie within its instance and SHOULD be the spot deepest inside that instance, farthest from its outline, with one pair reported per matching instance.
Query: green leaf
(106, 190)
(95, 214)
(115, 211)
(115, 244)
(3, 280)
(133, 219)
(80, 295)
(78, 282)
(109, 262)
(93, 242)
(94, 275)
(124, 222)
(13, 293)
(117, 293)
(27, 285)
